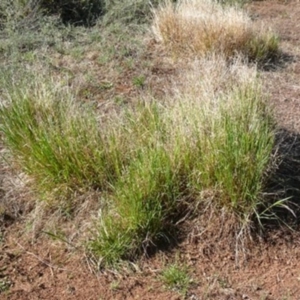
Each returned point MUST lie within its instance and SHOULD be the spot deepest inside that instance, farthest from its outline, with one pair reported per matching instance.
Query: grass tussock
(54, 139)
(228, 130)
(217, 142)
(151, 162)
(198, 27)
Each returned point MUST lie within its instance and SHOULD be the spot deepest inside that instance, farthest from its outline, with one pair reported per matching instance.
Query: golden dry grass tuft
(197, 27)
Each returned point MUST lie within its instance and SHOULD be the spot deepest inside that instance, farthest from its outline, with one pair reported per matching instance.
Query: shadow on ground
(278, 62)
(284, 183)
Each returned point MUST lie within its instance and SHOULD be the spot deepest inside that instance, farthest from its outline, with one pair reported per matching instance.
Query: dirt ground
(221, 266)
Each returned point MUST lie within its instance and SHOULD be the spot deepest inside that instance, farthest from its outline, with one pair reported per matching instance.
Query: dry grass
(210, 77)
(198, 27)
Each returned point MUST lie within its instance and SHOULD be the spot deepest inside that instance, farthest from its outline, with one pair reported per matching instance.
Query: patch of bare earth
(222, 262)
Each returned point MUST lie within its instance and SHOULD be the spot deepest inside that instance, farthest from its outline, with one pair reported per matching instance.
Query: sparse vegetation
(176, 277)
(151, 162)
(147, 160)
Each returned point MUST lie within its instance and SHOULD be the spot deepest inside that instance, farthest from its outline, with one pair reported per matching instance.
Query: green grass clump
(56, 140)
(189, 148)
(152, 162)
(145, 199)
(235, 148)
(176, 277)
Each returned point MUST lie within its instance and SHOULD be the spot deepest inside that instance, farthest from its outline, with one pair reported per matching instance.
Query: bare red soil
(222, 265)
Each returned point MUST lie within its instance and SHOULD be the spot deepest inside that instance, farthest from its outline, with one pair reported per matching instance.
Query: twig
(51, 266)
